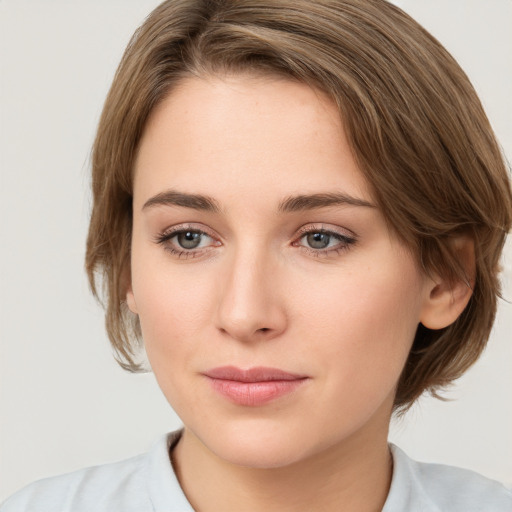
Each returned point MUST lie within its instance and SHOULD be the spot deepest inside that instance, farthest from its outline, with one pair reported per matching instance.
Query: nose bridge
(249, 306)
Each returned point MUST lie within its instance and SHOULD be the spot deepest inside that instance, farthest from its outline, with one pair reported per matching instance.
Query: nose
(251, 305)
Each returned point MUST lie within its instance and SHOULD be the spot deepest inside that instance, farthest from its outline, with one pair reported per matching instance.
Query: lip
(254, 386)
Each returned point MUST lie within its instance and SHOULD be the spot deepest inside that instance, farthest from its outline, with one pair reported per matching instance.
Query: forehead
(246, 133)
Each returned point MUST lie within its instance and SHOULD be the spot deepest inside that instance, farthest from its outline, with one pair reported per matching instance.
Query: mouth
(255, 386)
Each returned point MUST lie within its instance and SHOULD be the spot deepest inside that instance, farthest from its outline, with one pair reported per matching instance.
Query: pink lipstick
(255, 386)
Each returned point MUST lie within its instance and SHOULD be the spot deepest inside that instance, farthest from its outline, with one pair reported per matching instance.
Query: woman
(300, 208)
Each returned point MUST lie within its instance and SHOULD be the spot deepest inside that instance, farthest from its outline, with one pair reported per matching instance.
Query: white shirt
(147, 483)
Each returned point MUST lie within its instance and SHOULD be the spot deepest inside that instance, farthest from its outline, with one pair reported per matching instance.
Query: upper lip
(256, 374)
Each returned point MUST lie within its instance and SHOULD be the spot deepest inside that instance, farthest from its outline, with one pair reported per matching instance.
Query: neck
(354, 475)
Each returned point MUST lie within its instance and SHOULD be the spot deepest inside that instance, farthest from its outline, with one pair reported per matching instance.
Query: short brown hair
(414, 122)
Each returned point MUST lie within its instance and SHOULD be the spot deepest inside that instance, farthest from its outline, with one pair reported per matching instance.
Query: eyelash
(166, 237)
(344, 241)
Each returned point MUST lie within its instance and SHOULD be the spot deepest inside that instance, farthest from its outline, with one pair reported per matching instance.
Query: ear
(447, 297)
(130, 298)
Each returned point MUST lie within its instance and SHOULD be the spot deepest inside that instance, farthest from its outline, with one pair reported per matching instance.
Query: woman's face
(258, 246)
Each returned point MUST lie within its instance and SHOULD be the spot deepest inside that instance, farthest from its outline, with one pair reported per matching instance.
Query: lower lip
(255, 393)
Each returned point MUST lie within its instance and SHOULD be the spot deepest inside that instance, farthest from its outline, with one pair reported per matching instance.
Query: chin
(259, 445)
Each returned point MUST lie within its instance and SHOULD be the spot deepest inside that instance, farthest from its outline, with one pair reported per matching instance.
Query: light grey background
(64, 403)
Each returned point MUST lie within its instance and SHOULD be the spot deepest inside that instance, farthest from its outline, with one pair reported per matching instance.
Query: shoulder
(437, 487)
(95, 488)
(143, 483)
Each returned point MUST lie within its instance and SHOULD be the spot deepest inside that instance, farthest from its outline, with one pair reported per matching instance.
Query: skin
(255, 293)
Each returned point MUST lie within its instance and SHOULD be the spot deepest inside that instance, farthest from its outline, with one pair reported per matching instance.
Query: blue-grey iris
(189, 239)
(318, 240)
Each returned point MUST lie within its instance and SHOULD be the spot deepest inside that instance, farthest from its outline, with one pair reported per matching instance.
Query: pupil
(318, 240)
(189, 239)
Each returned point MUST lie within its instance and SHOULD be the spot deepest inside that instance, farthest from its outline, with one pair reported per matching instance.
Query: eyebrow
(175, 198)
(291, 204)
(313, 201)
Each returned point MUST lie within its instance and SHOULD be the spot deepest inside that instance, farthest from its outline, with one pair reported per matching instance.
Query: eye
(323, 241)
(318, 240)
(186, 242)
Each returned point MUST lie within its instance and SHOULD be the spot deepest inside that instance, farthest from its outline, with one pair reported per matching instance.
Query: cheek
(172, 316)
(169, 316)
(173, 309)
(365, 321)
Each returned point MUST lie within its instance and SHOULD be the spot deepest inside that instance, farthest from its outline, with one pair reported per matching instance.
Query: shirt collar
(406, 492)
(163, 486)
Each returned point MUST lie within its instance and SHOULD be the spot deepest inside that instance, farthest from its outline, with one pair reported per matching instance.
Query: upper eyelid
(341, 239)
(186, 227)
(323, 228)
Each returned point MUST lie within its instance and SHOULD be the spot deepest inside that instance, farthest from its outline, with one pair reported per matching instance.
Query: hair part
(414, 122)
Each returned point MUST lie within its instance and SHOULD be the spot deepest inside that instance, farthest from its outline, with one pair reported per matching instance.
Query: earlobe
(130, 300)
(126, 279)
(446, 298)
